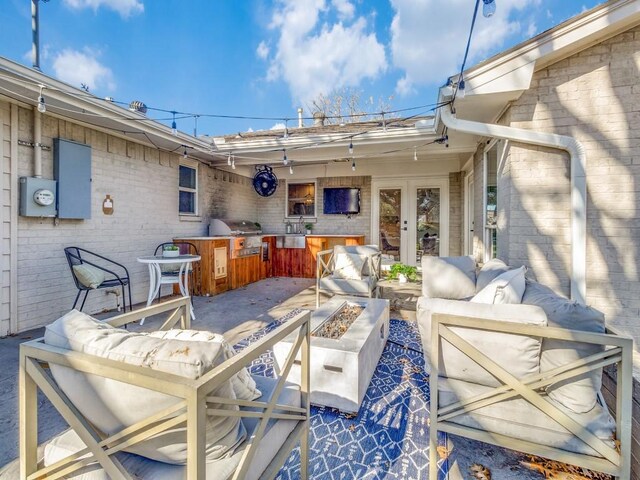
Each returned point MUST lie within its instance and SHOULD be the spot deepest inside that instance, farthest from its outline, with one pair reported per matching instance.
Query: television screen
(341, 201)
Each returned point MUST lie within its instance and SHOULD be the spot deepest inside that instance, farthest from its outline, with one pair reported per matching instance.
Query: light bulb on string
(184, 155)
(415, 154)
(233, 163)
(353, 165)
(285, 160)
(41, 105)
(461, 91)
(291, 169)
(488, 8)
(229, 159)
(351, 146)
(174, 127)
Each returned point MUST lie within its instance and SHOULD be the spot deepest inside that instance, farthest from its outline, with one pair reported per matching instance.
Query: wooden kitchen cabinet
(211, 273)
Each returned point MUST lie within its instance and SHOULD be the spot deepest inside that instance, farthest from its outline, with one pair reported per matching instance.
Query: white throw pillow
(505, 288)
(243, 384)
(88, 275)
(348, 266)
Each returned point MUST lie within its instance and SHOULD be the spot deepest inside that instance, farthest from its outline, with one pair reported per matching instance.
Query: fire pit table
(347, 339)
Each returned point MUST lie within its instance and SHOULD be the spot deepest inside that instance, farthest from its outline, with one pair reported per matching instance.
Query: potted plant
(308, 227)
(170, 251)
(403, 272)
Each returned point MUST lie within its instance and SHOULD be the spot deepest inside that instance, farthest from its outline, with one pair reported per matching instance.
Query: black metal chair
(185, 248)
(80, 256)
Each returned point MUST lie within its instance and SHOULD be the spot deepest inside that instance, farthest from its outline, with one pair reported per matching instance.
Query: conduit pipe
(578, 183)
(37, 143)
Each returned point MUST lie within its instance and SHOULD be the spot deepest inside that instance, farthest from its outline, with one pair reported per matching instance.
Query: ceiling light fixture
(41, 105)
(488, 8)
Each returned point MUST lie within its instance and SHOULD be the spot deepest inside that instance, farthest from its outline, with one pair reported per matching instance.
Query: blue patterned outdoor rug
(389, 437)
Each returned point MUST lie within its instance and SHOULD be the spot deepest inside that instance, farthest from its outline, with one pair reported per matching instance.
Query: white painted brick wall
(593, 96)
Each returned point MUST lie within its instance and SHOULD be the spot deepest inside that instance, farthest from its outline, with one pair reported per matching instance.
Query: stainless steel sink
(290, 241)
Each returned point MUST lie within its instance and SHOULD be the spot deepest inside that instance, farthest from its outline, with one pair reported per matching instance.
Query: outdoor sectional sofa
(175, 403)
(514, 364)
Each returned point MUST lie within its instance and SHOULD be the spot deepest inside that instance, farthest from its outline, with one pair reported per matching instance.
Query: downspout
(578, 183)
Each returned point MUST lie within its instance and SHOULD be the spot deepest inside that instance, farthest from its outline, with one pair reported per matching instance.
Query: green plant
(308, 226)
(171, 248)
(400, 268)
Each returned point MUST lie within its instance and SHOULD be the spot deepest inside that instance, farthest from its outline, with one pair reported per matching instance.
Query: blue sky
(263, 58)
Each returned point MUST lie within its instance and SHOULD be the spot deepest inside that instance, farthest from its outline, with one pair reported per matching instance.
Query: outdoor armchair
(348, 270)
(92, 271)
(169, 425)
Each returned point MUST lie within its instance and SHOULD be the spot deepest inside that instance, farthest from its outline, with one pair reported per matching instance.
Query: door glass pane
(428, 222)
(390, 210)
(491, 202)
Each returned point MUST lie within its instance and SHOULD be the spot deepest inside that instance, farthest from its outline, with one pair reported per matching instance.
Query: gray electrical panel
(37, 197)
(72, 170)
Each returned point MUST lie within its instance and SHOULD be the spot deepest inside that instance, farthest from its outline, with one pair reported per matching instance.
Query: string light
(233, 163)
(41, 105)
(285, 160)
(291, 169)
(415, 154)
(229, 159)
(461, 86)
(488, 8)
(174, 127)
(184, 155)
(351, 146)
(353, 165)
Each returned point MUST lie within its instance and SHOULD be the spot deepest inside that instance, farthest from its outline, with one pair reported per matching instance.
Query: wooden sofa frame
(324, 268)
(193, 407)
(617, 349)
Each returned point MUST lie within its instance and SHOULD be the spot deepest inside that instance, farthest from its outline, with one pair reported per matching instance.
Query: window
(188, 188)
(301, 199)
(491, 202)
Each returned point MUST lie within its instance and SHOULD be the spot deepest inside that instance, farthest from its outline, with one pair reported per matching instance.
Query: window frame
(192, 164)
(315, 198)
(488, 230)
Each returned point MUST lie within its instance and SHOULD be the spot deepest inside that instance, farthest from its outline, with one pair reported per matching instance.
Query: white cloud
(314, 56)
(345, 9)
(278, 126)
(428, 37)
(124, 7)
(532, 29)
(82, 67)
(263, 50)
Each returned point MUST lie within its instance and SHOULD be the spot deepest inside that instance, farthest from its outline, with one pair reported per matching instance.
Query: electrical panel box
(37, 197)
(72, 170)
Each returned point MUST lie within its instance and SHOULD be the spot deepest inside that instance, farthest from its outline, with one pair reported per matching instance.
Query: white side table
(156, 279)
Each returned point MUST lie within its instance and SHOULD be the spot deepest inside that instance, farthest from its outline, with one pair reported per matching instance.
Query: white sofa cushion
(112, 405)
(580, 393)
(348, 266)
(489, 271)
(507, 287)
(243, 384)
(139, 467)
(364, 251)
(517, 354)
(448, 277)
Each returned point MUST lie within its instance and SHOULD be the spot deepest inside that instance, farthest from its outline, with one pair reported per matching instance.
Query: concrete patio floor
(236, 314)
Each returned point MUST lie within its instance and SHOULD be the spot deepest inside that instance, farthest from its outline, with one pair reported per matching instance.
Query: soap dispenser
(289, 227)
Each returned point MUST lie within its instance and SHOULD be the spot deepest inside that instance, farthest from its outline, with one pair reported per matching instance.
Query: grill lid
(225, 227)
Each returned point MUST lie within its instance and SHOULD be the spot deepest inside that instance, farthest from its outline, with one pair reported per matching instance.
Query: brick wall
(594, 97)
(143, 184)
(272, 218)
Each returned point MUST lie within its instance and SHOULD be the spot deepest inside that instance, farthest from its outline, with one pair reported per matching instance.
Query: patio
(241, 313)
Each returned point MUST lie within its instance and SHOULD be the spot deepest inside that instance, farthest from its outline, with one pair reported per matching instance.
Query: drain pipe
(37, 143)
(578, 183)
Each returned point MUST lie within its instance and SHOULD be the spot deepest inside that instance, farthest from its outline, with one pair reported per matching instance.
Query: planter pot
(171, 253)
(308, 231)
(402, 278)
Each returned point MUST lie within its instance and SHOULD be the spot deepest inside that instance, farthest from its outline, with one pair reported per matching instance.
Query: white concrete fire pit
(341, 369)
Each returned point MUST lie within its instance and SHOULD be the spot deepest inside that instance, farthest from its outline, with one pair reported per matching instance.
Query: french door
(410, 217)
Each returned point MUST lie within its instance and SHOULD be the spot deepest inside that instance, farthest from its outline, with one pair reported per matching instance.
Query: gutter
(578, 183)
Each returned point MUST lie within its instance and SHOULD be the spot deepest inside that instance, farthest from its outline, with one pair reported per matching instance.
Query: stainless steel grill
(248, 240)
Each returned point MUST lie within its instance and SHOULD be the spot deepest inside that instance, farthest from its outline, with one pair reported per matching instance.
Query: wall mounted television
(341, 201)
